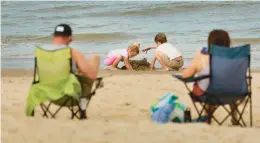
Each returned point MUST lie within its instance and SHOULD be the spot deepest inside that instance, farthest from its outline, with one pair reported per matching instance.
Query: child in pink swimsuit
(117, 55)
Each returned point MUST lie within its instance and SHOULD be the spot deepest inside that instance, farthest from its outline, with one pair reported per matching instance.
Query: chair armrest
(99, 83)
(99, 79)
(190, 79)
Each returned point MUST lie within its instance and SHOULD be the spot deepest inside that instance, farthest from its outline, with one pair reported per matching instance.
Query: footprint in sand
(144, 110)
(128, 104)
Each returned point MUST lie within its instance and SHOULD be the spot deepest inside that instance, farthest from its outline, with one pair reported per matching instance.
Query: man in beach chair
(55, 79)
(229, 84)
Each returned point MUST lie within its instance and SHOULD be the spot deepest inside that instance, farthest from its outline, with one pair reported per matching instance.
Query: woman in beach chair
(54, 78)
(212, 65)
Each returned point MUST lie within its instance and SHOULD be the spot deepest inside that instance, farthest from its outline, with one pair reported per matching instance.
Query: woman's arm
(149, 48)
(127, 64)
(192, 68)
(89, 67)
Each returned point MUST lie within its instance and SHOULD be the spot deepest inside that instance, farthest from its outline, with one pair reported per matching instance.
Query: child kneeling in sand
(115, 56)
(167, 55)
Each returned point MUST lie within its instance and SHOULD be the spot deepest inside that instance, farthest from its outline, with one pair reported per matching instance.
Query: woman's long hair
(219, 38)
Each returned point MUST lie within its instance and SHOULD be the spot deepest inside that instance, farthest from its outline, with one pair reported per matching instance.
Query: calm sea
(99, 27)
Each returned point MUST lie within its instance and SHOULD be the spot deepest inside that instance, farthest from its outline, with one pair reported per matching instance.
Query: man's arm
(89, 67)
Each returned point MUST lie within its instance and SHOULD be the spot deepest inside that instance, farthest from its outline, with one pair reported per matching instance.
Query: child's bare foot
(166, 69)
(152, 68)
(113, 68)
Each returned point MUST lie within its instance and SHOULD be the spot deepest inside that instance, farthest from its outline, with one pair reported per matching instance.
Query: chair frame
(195, 99)
(78, 112)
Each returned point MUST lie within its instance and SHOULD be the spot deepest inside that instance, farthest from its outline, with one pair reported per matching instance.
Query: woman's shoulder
(201, 54)
(202, 51)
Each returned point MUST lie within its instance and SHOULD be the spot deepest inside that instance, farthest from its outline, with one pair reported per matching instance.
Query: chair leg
(72, 109)
(77, 113)
(210, 111)
(250, 106)
(83, 114)
(72, 112)
(32, 113)
(44, 109)
(197, 110)
(240, 115)
(200, 112)
(83, 103)
(62, 105)
(234, 108)
(232, 111)
(229, 114)
(240, 121)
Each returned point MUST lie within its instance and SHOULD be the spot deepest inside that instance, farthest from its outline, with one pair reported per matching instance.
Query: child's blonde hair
(135, 46)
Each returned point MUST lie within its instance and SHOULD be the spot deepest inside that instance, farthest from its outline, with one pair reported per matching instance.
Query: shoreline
(17, 72)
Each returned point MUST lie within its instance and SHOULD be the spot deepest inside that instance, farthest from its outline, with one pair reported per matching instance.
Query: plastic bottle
(187, 115)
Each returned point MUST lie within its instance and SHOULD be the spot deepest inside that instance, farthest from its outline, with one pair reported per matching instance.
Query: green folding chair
(54, 82)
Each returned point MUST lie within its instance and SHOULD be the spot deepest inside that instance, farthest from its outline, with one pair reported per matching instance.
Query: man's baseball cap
(62, 30)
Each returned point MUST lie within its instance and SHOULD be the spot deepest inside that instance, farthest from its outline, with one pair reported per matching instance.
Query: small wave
(246, 40)
(18, 39)
(239, 41)
(92, 37)
(63, 8)
(96, 37)
(169, 8)
(151, 9)
(72, 7)
(104, 36)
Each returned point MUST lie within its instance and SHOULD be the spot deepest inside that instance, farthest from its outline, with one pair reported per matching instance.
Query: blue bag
(166, 109)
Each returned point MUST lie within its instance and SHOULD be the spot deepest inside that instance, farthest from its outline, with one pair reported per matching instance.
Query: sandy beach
(120, 112)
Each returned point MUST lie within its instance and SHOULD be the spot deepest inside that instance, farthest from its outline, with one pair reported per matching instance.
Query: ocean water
(99, 27)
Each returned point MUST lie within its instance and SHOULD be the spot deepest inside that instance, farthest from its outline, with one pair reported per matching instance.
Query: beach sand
(119, 112)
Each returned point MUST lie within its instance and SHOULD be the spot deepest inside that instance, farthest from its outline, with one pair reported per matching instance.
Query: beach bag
(167, 109)
(177, 114)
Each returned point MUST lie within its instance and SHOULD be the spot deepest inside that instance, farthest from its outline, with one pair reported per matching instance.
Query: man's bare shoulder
(75, 51)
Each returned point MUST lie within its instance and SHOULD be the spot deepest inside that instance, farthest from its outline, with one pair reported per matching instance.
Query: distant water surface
(99, 27)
